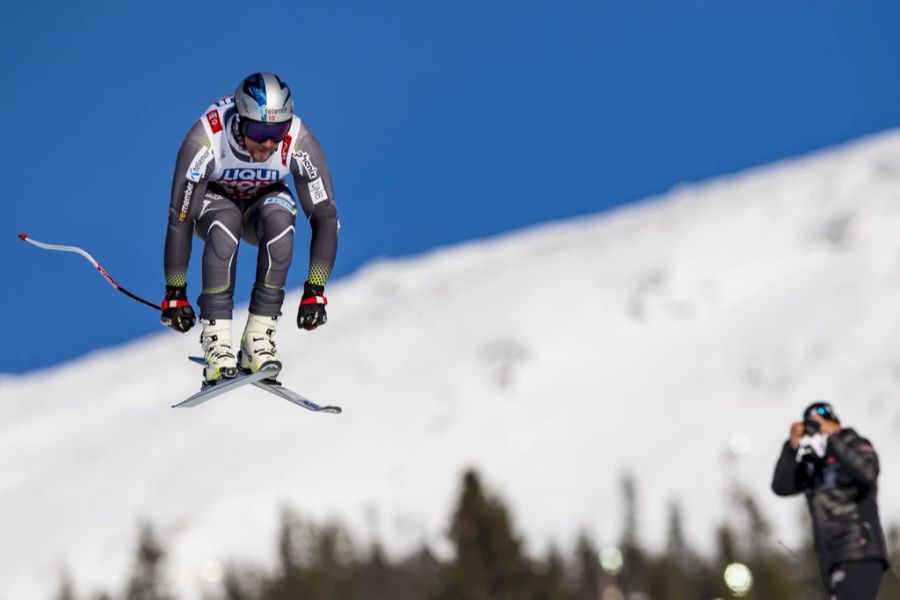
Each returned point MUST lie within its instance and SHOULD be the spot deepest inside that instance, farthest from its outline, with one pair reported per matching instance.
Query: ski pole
(24, 237)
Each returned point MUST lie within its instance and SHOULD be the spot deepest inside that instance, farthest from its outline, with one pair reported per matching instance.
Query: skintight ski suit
(219, 193)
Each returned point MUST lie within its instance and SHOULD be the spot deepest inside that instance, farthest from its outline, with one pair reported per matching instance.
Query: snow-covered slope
(654, 339)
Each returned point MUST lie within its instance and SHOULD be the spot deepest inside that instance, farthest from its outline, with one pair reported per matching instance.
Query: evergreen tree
(289, 580)
(66, 590)
(630, 578)
(417, 575)
(772, 575)
(890, 583)
(806, 562)
(377, 576)
(587, 572)
(408, 579)
(727, 545)
(707, 580)
(240, 584)
(315, 562)
(727, 553)
(332, 566)
(676, 544)
(671, 576)
(488, 564)
(550, 577)
(147, 581)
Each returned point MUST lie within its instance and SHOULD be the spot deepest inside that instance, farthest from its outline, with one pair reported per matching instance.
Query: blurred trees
(674, 574)
(66, 589)
(585, 576)
(147, 581)
(315, 562)
(489, 562)
(890, 585)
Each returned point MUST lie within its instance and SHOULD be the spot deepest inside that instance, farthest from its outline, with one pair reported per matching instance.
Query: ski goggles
(260, 132)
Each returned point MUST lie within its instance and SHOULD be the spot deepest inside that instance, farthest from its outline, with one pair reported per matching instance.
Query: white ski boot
(257, 345)
(216, 343)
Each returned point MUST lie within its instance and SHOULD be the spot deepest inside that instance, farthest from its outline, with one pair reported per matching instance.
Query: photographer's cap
(823, 409)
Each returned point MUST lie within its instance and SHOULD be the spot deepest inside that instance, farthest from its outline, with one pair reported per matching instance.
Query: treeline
(322, 562)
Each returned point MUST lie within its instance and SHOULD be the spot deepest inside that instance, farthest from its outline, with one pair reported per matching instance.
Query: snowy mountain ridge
(677, 338)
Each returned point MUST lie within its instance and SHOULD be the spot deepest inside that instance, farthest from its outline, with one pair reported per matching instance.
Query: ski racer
(229, 185)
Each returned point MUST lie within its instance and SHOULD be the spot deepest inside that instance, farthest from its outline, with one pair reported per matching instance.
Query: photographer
(838, 471)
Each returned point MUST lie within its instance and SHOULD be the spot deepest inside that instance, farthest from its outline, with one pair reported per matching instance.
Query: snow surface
(652, 339)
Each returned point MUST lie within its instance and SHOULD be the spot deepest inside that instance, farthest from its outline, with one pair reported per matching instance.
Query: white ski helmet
(264, 98)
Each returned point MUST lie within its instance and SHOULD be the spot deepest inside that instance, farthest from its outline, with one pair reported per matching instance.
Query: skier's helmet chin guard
(264, 106)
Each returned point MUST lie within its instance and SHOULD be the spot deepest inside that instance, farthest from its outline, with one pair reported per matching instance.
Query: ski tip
(23, 236)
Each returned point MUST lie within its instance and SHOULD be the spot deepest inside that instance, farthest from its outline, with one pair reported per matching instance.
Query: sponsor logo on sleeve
(198, 165)
(317, 191)
(215, 123)
(284, 201)
(186, 202)
(285, 148)
(306, 162)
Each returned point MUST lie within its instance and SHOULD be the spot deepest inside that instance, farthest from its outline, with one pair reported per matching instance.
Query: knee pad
(281, 248)
(276, 228)
(222, 240)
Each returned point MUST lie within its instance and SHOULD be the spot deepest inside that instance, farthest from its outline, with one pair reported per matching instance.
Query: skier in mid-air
(229, 185)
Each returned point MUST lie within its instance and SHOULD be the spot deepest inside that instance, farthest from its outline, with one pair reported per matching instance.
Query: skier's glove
(176, 310)
(312, 307)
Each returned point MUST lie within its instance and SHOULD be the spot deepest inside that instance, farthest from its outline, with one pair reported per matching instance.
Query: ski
(292, 396)
(274, 387)
(217, 389)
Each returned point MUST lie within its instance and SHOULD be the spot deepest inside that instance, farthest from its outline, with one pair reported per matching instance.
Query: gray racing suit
(220, 194)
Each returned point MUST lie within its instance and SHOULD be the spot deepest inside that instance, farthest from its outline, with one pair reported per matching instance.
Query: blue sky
(441, 122)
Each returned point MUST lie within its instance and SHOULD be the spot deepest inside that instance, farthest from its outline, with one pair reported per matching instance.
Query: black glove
(177, 312)
(312, 307)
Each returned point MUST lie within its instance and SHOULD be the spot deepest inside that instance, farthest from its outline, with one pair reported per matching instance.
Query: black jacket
(840, 490)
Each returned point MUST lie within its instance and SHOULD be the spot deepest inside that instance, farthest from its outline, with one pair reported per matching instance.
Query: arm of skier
(316, 194)
(188, 189)
(856, 456)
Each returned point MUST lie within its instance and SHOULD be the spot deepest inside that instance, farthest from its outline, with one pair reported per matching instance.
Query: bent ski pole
(24, 237)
